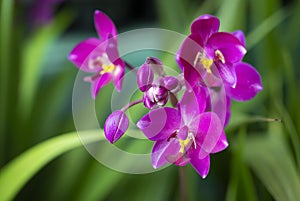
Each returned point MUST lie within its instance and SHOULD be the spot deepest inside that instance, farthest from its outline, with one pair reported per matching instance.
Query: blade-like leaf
(34, 53)
(5, 48)
(15, 174)
(272, 162)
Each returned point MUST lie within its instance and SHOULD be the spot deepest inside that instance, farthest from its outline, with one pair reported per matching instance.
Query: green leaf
(272, 162)
(15, 174)
(6, 16)
(232, 14)
(34, 53)
(255, 36)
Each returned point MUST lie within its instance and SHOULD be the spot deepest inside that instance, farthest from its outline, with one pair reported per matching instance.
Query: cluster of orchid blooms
(191, 127)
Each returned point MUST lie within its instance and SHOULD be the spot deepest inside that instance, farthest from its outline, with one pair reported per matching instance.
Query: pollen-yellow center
(206, 64)
(204, 61)
(183, 144)
(107, 68)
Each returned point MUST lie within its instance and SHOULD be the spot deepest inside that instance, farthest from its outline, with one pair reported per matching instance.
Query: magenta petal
(205, 25)
(240, 35)
(201, 165)
(162, 150)
(192, 103)
(98, 83)
(118, 77)
(248, 83)
(160, 123)
(221, 144)
(115, 126)
(227, 73)
(230, 46)
(79, 55)
(191, 75)
(210, 131)
(219, 103)
(156, 66)
(188, 51)
(104, 25)
(145, 77)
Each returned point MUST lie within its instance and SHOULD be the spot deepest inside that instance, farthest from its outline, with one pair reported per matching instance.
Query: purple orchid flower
(207, 56)
(156, 92)
(100, 56)
(186, 135)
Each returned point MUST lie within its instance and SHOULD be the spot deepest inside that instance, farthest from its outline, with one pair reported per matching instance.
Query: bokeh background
(262, 161)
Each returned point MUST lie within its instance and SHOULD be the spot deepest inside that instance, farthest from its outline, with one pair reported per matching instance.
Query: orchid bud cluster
(192, 127)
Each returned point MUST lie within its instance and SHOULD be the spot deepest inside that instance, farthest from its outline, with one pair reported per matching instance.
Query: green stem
(182, 183)
(5, 40)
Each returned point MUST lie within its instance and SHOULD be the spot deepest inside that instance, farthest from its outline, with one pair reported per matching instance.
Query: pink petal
(99, 83)
(104, 25)
(221, 144)
(248, 83)
(240, 35)
(209, 133)
(81, 52)
(227, 73)
(192, 103)
(160, 123)
(205, 26)
(201, 165)
(230, 46)
(188, 50)
(145, 77)
(219, 103)
(118, 77)
(162, 150)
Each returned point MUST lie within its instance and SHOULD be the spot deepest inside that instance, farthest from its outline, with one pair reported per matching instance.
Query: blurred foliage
(261, 163)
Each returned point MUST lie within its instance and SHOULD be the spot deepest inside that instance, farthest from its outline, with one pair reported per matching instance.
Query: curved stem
(131, 104)
(130, 67)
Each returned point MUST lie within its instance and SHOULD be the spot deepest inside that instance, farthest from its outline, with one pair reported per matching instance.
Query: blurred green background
(36, 82)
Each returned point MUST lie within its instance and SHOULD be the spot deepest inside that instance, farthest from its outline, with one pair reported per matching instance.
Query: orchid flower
(186, 135)
(206, 55)
(100, 55)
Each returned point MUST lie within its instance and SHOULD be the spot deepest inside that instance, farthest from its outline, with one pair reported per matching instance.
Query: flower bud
(172, 84)
(156, 65)
(155, 95)
(145, 77)
(115, 126)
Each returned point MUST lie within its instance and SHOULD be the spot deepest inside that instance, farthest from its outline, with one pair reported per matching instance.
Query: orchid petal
(118, 77)
(162, 149)
(200, 165)
(192, 103)
(145, 77)
(241, 36)
(104, 25)
(248, 83)
(227, 73)
(81, 52)
(188, 51)
(205, 26)
(160, 123)
(219, 103)
(98, 83)
(222, 144)
(209, 132)
(228, 45)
